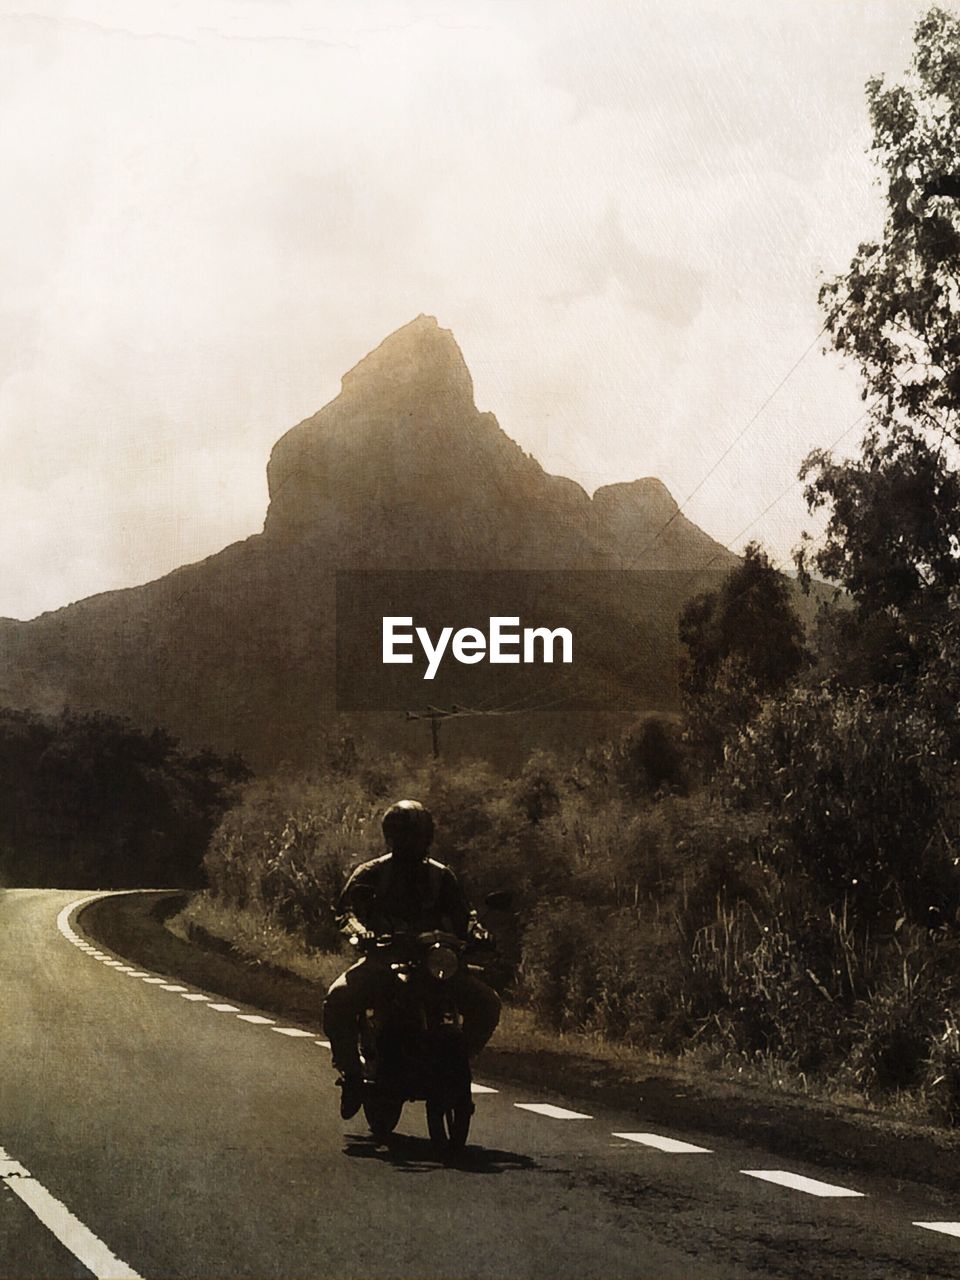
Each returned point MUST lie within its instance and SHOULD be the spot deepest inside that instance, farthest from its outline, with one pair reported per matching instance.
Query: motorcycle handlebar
(429, 938)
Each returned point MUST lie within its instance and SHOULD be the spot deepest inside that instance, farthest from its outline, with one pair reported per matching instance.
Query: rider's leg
(346, 999)
(480, 1010)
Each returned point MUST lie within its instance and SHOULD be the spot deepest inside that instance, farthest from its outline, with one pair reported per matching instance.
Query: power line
(731, 446)
(831, 319)
(794, 484)
(437, 715)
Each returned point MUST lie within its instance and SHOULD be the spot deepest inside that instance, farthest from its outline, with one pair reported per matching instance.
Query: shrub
(856, 790)
(943, 1071)
(612, 973)
(650, 757)
(287, 847)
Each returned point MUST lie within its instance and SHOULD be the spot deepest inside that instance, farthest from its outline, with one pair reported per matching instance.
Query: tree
(88, 799)
(744, 643)
(893, 535)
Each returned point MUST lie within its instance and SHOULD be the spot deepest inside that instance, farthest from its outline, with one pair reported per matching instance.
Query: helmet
(408, 824)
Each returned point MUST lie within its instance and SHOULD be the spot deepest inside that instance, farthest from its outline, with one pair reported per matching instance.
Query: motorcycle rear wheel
(449, 1123)
(382, 1115)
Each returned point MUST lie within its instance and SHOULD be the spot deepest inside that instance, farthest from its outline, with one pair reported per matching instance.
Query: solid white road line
(292, 1031)
(481, 1088)
(224, 1008)
(63, 917)
(548, 1109)
(947, 1228)
(255, 1018)
(87, 1248)
(797, 1182)
(672, 1145)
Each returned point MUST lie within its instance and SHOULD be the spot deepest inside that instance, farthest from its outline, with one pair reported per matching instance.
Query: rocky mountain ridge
(404, 444)
(400, 471)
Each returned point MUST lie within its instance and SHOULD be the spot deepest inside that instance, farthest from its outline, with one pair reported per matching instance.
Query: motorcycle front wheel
(449, 1123)
(382, 1115)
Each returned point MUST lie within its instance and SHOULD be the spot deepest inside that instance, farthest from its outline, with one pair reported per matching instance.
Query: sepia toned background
(346, 274)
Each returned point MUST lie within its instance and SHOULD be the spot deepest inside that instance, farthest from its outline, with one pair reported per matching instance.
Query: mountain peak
(401, 468)
(403, 430)
(418, 363)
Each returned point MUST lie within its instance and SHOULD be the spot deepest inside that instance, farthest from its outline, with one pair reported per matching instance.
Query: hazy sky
(213, 208)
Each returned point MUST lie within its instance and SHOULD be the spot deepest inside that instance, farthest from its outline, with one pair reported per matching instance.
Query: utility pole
(434, 715)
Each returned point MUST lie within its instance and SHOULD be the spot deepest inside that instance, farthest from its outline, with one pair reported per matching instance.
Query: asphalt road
(147, 1134)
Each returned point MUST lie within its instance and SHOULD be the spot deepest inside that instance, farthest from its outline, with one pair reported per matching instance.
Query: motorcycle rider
(403, 891)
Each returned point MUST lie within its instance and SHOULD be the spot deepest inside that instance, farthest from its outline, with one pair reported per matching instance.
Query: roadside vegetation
(715, 917)
(770, 881)
(90, 801)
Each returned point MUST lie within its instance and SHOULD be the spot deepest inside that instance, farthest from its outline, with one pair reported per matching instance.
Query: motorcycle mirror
(499, 900)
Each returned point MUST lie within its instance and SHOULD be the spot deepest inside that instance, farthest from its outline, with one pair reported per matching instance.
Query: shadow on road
(411, 1154)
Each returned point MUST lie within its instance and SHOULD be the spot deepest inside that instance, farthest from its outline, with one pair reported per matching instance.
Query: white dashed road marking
(293, 1031)
(255, 1018)
(193, 995)
(87, 1248)
(224, 1008)
(172, 986)
(481, 1088)
(154, 982)
(548, 1109)
(947, 1228)
(662, 1144)
(324, 1044)
(797, 1182)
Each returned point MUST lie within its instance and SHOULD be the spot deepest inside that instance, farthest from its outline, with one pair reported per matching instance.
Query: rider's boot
(342, 1034)
(350, 1084)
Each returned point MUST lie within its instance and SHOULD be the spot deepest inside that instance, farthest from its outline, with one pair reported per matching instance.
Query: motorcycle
(411, 1043)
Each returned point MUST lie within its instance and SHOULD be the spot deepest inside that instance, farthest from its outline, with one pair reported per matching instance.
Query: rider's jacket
(384, 896)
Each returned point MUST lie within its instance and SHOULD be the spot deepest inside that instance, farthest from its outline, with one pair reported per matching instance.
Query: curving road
(148, 1129)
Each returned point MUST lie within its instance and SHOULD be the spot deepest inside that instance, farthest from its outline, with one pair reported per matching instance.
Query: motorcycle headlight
(441, 963)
